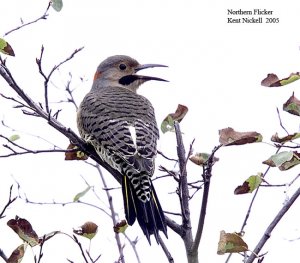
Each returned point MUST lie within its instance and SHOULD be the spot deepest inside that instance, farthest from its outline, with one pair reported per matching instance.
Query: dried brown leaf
(231, 243)
(288, 138)
(17, 255)
(292, 106)
(88, 230)
(168, 123)
(75, 155)
(229, 136)
(24, 230)
(271, 81)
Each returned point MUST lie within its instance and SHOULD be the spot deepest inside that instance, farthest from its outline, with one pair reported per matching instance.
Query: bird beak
(145, 66)
(140, 67)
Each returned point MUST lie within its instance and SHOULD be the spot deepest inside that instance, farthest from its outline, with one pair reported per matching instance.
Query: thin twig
(33, 152)
(2, 255)
(133, 245)
(167, 158)
(287, 146)
(43, 17)
(174, 174)
(41, 250)
(10, 201)
(63, 203)
(20, 104)
(280, 185)
(165, 249)
(28, 151)
(70, 92)
(48, 77)
(172, 213)
(80, 247)
(91, 259)
(280, 121)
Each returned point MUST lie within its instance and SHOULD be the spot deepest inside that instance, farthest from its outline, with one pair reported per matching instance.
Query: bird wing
(116, 136)
(136, 144)
(127, 130)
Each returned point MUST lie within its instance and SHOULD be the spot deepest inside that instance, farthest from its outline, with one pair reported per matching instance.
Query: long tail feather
(149, 214)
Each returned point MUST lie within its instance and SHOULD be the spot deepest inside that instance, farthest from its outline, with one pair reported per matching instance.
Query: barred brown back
(104, 119)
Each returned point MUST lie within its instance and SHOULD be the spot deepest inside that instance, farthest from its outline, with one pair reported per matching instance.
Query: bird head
(120, 71)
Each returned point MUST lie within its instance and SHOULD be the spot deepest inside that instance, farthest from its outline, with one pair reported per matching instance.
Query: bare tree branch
(70, 92)
(207, 174)
(280, 121)
(48, 77)
(26, 150)
(167, 158)
(80, 247)
(165, 249)
(38, 260)
(62, 203)
(174, 226)
(3, 256)
(186, 233)
(184, 193)
(133, 245)
(270, 228)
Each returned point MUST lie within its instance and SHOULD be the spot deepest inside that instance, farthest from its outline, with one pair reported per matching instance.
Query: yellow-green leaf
(293, 77)
(81, 194)
(201, 158)
(121, 227)
(14, 137)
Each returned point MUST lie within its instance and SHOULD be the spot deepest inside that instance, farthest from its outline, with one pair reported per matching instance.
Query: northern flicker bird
(121, 126)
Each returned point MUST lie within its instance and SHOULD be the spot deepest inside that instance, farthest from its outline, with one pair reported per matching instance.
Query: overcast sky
(215, 68)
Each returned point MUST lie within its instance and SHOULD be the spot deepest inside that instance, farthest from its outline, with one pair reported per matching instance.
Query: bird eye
(122, 66)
